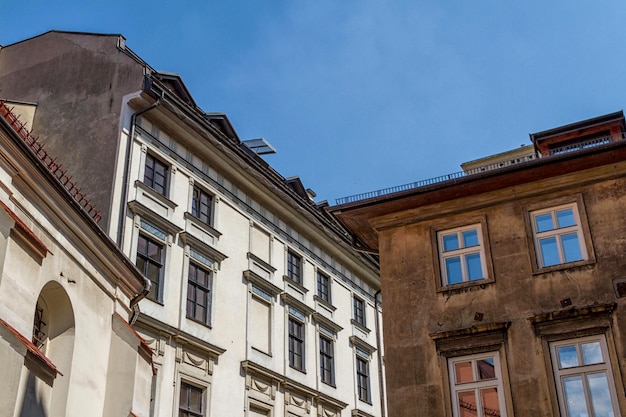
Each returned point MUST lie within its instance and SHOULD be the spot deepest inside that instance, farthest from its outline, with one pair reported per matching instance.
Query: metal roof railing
(576, 147)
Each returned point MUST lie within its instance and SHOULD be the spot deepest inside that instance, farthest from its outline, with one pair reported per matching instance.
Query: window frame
(462, 253)
(188, 412)
(158, 285)
(327, 358)
(580, 229)
(476, 385)
(363, 379)
(359, 310)
(196, 205)
(151, 162)
(324, 282)
(296, 275)
(441, 227)
(605, 367)
(296, 339)
(208, 292)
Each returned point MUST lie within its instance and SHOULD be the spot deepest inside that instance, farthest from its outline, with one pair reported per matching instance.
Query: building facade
(259, 306)
(66, 295)
(504, 286)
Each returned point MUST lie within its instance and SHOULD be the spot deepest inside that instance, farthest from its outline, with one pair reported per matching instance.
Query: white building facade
(254, 310)
(259, 306)
(66, 296)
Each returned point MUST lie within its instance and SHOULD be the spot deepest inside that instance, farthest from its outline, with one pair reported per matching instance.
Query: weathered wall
(77, 82)
(415, 309)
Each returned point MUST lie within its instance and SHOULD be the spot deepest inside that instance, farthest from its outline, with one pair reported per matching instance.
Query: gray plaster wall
(78, 81)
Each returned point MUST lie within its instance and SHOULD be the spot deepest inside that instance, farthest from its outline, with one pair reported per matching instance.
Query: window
(461, 255)
(155, 174)
(476, 385)
(39, 326)
(202, 205)
(191, 402)
(150, 263)
(363, 376)
(359, 310)
(294, 267)
(296, 339)
(583, 377)
(323, 287)
(558, 235)
(199, 285)
(327, 360)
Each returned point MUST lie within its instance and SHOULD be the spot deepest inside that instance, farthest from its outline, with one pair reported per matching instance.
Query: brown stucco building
(504, 287)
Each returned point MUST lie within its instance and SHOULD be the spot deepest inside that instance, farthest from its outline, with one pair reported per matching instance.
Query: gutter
(381, 383)
(134, 302)
(124, 199)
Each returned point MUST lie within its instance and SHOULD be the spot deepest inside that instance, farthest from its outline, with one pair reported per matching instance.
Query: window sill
(156, 195)
(324, 303)
(296, 284)
(207, 228)
(361, 326)
(466, 286)
(302, 371)
(332, 385)
(156, 301)
(560, 267)
(203, 324)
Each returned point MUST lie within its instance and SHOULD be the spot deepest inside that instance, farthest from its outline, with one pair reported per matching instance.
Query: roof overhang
(363, 218)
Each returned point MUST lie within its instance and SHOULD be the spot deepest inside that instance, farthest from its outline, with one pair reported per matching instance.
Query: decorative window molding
(573, 322)
(196, 226)
(471, 340)
(361, 344)
(201, 247)
(324, 321)
(146, 213)
(290, 300)
(253, 278)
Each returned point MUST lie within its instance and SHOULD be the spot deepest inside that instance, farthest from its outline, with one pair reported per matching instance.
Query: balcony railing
(418, 184)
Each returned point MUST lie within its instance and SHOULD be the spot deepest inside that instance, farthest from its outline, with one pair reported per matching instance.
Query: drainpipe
(381, 383)
(134, 303)
(122, 216)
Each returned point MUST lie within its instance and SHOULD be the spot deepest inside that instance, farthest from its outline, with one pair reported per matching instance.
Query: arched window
(53, 334)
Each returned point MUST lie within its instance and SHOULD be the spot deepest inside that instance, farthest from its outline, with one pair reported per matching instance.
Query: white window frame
(558, 233)
(583, 370)
(476, 385)
(462, 252)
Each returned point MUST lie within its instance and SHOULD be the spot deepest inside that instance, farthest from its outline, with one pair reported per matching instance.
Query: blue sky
(358, 95)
